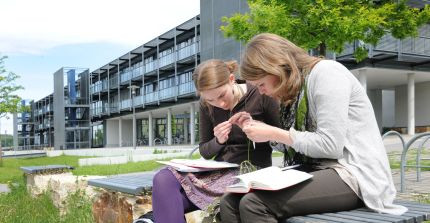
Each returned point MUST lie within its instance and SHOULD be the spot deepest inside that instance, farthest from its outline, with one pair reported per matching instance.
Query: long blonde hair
(270, 54)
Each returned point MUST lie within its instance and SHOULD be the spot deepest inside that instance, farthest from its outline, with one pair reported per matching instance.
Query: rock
(60, 186)
(112, 207)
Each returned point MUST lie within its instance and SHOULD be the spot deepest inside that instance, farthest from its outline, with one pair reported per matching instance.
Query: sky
(40, 37)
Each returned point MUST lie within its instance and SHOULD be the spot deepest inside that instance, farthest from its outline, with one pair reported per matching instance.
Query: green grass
(20, 207)
(10, 171)
(277, 154)
(411, 159)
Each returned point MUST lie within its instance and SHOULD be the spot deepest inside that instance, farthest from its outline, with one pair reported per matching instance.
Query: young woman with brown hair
(327, 126)
(176, 193)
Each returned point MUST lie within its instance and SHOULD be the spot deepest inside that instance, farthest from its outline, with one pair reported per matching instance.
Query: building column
(186, 130)
(362, 77)
(15, 131)
(411, 104)
(192, 125)
(150, 130)
(120, 132)
(169, 126)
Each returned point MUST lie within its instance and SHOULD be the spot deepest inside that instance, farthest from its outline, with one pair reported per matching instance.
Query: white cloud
(33, 26)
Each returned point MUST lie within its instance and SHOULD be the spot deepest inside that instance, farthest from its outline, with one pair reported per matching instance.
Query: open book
(270, 178)
(200, 165)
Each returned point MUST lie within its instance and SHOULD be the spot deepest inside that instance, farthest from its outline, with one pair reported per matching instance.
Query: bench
(141, 183)
(45, 169)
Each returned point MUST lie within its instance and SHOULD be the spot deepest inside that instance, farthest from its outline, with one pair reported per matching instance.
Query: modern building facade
(147, 97)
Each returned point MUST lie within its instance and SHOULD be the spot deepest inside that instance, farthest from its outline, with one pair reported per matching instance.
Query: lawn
(18, 206)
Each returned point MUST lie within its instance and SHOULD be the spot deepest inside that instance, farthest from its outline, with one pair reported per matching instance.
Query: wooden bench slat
(376, 217)
(417, 216)
(398, 218)
(356, 218)
(416, 206)
(332, 218)
(304, 219)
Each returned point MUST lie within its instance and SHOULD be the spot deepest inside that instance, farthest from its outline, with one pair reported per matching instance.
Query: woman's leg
(169, 202)
(324, 192)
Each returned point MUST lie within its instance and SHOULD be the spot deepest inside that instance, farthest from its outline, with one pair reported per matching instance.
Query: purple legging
(169, 201)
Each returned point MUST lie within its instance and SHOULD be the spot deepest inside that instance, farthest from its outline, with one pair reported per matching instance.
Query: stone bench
(140, 184)
(45, 169)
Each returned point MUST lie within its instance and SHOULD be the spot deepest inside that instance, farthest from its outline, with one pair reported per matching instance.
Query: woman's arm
(330, 90)
(208, 147)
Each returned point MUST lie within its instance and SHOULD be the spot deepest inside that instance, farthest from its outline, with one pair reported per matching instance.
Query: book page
(271, 178)
(202, 163)
(183, 168)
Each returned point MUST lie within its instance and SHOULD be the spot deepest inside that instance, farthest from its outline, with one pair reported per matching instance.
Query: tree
(9, 100)
(328, 24)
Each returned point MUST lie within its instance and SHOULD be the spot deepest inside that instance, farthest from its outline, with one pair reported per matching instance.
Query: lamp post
(133, 89)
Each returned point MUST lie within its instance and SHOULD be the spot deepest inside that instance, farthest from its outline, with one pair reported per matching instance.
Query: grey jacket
(347, 131)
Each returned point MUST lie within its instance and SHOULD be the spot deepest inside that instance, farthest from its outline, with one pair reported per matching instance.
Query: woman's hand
(221, 131)
(241, 119)
(260, 132)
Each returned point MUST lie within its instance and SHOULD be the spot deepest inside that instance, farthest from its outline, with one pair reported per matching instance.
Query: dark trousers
(324, 192)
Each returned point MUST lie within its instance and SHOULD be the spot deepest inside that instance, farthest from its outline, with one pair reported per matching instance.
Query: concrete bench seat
(44, 169)
(138, 184)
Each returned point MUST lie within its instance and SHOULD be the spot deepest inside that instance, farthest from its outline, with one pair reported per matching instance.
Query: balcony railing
(168, 93)
(125, 75)
(125, 103)
(77, 123)
(188, 51)
(114, 81)
(186, 88)
(150, 66)
(151, 97)
(412, 46)
(138, 100)
(137, 71)
(167, 59)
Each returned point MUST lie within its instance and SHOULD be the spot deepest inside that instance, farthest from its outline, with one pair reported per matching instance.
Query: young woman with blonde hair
(176, 193)
(327, 126)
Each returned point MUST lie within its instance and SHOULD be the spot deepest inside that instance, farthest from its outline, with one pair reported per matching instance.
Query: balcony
(125, 104)
(392, 50)
(113, 82)
(77, 123)
(167, 59)
(137, 71)
(125, 75)
(187, 51)
(168, 93)
(186, 88)
(150, 66)
(151, 97)
(137, 100)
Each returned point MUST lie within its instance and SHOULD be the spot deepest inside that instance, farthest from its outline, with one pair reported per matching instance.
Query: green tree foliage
(9, 100)
(328, 24)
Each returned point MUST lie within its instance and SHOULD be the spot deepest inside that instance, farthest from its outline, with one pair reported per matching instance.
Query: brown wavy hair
(270, 54)
(213, 73)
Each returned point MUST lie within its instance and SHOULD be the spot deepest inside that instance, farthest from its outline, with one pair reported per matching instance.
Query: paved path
(414, 190)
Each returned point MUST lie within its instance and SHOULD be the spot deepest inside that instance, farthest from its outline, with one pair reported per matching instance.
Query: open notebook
(199, 165)
(270, 178)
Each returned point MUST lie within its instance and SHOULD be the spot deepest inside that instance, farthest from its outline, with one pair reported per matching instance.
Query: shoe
(146, 218)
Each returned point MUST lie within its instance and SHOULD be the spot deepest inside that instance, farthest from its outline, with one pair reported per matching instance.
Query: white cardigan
(347, 131)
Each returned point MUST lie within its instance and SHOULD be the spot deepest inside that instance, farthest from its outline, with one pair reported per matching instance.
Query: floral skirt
(203, 188)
